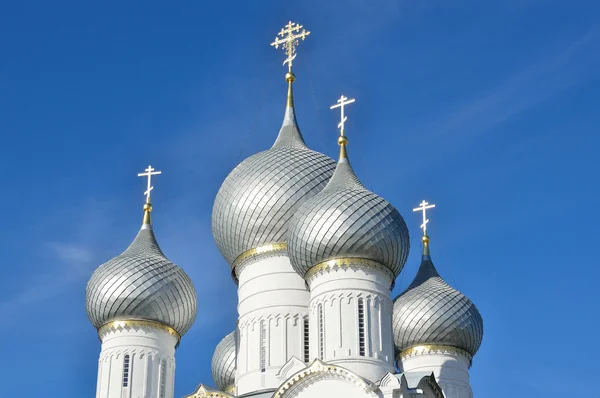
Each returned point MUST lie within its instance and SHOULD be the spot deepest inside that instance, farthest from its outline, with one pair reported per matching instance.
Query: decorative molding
(348, 263)
(389, 380)
(429, 382)
(205, 392)
(293, 365)
(319, 370)
(136, 324)
(252, 255)
(295, 317)
(433, 349)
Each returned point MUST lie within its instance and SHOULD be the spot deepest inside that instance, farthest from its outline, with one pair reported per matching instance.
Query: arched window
(321, 332)
(126, 370)
(162, 385)
(306, 340)
(263, 346)
(361, 327)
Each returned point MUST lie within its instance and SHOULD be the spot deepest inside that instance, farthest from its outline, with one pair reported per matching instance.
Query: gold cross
(289, 41)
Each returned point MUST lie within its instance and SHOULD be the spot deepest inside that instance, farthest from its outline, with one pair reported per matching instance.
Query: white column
(449, 365)
(271, 296)
(132, 361)
(351, 320)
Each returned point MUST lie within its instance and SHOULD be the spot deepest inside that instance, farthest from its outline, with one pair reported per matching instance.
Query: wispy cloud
(534, 83)
(63, 262)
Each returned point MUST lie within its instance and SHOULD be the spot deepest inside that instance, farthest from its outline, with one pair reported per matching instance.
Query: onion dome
(142, 284)
(430, 312)
(223, 364)
(258, 198)
(347, 221)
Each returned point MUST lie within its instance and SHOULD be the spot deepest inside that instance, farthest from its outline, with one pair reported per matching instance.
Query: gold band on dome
(135, 324)
(230, 389)
(348, 262)
(433, 348)
(270, 248)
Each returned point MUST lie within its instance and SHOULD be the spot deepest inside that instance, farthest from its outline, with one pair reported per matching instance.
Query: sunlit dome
(259, 197)
(430, 311)
(223, 364)
(345, 220)
(141, 283)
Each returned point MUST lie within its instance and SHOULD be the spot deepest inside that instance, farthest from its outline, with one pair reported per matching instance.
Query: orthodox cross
(289, 41)
(341, 103)
(149, 172)
(423, 207)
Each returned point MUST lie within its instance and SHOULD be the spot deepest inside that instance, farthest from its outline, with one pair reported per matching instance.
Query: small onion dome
(142, 283)
(259, 197)
(431, 312)
(346, 220)
(223, 364)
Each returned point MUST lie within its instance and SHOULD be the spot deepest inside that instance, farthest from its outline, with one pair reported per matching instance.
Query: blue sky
(487, 108)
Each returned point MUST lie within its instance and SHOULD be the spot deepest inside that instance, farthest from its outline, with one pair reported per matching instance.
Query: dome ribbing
(142, 283)
(430, 311)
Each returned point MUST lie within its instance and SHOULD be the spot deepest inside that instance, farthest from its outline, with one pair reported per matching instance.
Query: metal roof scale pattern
(346, 220)
(430, 311)
(142, 283)
(259, 197)
(223, 363)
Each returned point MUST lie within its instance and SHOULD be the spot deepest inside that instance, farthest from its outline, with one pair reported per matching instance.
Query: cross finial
(149, 172)
(288, 40)
(423, 206)
(343, 101)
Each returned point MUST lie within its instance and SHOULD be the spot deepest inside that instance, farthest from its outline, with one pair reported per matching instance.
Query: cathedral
(315, 256)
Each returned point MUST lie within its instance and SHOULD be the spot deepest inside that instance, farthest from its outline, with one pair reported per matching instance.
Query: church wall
(273, 302)
(451, 371)
(363, 346)
(147, 350)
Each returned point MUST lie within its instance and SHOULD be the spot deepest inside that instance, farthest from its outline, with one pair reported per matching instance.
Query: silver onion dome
(223, 363)
(142, 283)
(430, 311)
(346, 220)
(259, 197)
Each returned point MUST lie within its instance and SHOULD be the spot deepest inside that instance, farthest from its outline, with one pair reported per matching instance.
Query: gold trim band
(433, 348)
(348, 262)
(136, 324)
(270, 248)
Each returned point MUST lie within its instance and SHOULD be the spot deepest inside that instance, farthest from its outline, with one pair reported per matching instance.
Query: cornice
(135, 324)
(434, 349)
(251, 256)
(344, 263)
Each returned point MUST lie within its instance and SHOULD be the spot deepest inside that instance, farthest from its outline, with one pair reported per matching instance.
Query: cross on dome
(423, 207)
(289, 41)
(149, 172)
(341, 103)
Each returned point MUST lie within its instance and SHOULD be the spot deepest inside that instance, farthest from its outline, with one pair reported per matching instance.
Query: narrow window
(263, 346)
(163, 376)
(306, 341)
(361, 327)
(321, 333)
(126, 371)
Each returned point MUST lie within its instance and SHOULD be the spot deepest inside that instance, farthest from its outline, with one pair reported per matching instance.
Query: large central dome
(259, 197)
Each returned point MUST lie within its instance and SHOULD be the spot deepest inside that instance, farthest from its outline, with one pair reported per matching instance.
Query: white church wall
(323, 380)
(451, 371)
(273, 301)
(337, 296)
(131, 363)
